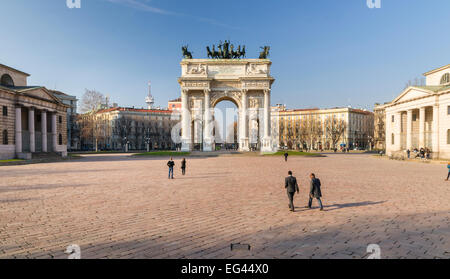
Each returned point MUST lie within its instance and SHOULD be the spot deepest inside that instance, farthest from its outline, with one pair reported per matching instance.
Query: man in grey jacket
(291, 187)
(314, 191)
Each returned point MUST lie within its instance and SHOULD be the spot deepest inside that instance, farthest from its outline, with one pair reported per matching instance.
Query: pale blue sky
(325, 53)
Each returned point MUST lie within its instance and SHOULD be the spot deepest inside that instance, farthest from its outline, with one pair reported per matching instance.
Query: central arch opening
(226, 125)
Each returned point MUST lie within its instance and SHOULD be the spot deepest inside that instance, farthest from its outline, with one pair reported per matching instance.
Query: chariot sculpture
(226, 50)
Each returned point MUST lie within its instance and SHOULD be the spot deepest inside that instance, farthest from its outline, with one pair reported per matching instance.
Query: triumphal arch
(245, 82)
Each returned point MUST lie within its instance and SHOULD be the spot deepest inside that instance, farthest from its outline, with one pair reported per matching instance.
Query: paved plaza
(116, 206)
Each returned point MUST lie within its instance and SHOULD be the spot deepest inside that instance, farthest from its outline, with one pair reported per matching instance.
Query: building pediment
(40, 93)
(413, 93)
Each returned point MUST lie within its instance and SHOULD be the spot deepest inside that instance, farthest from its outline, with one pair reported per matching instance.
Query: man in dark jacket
(183, 166)
(291, 187)
(286, 156)
(314, 191)
(171, 164)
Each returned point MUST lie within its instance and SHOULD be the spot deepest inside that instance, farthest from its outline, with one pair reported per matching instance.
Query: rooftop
(15, 70)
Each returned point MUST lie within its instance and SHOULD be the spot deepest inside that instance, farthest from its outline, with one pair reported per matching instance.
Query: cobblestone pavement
(115, 206)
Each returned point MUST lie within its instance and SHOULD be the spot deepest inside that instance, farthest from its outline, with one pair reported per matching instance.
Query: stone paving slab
(116, 206)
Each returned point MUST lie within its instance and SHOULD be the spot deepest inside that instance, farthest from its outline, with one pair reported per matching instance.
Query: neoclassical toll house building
(245, 82)
(32, 119)
(420, 117)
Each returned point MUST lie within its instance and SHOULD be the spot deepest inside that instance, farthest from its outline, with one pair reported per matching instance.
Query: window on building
(60, 119)
(60, 141)
(448, 136)
(393, 119)
(393, 139)
(5, 137)
(5, 111)
(445, 78)
(448, 110)
(7, 81)
(414, 117)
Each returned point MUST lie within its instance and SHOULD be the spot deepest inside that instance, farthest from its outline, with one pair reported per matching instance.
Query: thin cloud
(142, 6)
(145, 7)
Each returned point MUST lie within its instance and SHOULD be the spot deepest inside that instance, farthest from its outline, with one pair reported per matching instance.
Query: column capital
(244, 90)
(184, 90)
(267, 91)
(207, 91)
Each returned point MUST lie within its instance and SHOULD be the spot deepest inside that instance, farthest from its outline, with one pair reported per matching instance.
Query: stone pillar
(44, 130)
(32, 130)
(243, 146)
(409, 129)
(207, 140)
(435, 133)
(267, 143)
(398, 131)
(18, 135)
(421, 127)
(185, 122)
(54, 133)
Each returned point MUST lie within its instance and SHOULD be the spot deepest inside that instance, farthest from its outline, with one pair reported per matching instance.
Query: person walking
(314, 191)
(448, 175)
(291, 187)
(286, 155)
(183, 166)
(408, 152)
(171, 164)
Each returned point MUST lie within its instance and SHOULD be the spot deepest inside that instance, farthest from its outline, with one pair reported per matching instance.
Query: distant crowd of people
(422, 153)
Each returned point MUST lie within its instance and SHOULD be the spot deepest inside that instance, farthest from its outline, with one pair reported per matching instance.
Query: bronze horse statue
(265, 53)
(186, 53)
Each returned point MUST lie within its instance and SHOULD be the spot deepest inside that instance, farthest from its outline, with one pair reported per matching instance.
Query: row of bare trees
(310, 131)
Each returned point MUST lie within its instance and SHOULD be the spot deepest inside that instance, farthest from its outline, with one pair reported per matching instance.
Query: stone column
(207, 140)
(18, 135)
(185, 122)
(422, 127)
(44, 130)
(32, 130)
(398, 131)
(409, 129)
(267, 145)
(435, 133)
(54, 133)
(243, 123)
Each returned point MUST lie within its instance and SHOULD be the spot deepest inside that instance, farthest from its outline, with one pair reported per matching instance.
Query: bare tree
(91, 101)
(415, 82)
(92, 129)
(124, 130)
(334, 129)
(311, 130)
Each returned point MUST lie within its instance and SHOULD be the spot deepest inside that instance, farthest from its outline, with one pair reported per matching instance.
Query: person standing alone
(291, 187)
(286, 155)
(314, 191)
(171, 164)
(183, 166)
(448, 175)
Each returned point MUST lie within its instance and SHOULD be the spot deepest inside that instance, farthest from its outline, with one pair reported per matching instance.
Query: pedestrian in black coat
(286, 156)
(291, 187)
(183, 166)
(314, 191)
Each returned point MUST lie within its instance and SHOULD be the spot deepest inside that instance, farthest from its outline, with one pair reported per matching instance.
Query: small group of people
(315, 192)
(171, 165)
(422, 153)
